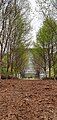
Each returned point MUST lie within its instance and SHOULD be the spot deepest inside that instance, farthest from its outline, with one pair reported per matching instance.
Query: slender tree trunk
(49, 69)
(12, 64)
(1, 61)
(45, 67)
(53, 61)
(13, 53)
(7, 58)
(49, 60)
(44, 57)
(2, 39)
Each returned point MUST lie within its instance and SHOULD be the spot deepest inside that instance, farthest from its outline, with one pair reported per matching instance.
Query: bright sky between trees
(37, 19)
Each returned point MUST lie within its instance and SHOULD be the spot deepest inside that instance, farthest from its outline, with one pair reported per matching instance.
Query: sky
(37, 19)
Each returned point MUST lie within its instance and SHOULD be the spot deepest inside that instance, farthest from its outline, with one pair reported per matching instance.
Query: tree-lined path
(16, 37)
(28, 59)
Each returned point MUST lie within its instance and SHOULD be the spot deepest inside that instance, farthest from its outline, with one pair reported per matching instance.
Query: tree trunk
(44, 57)
(7, 58)
(49, 60)
(1, 60)
(2, 39)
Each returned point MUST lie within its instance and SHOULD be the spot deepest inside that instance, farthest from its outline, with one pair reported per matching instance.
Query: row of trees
(45, 48)
(15, 37)
(14, 27)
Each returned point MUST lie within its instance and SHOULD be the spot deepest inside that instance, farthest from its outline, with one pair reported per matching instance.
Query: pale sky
(37, 19)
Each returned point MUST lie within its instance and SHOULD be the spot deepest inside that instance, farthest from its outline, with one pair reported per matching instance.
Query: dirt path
(28, 100)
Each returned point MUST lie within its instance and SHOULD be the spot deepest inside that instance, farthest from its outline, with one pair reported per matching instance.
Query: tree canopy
(45, 48)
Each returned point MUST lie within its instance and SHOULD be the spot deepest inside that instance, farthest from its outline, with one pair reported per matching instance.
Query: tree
(45, 46)
(14, 28)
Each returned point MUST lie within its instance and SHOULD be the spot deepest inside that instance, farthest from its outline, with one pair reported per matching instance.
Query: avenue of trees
(45, 48)
(14, 27)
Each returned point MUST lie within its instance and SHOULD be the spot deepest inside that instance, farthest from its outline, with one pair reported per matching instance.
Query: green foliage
(20, 48)
(20, 57)
(43, 51)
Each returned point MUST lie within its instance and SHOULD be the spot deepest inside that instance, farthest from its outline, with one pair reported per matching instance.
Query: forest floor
(28, 100)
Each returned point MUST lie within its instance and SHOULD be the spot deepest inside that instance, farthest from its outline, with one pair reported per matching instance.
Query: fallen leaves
(28, 100)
